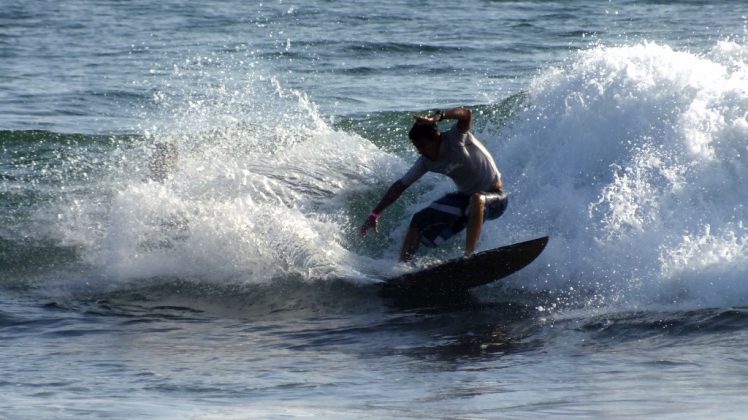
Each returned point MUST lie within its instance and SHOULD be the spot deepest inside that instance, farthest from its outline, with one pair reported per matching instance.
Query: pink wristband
(374, 215)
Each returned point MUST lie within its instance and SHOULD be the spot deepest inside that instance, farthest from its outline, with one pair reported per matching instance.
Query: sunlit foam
(634, 160)
(258, 191)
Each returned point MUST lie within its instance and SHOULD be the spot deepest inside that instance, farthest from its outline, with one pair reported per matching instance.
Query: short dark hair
(421, 130)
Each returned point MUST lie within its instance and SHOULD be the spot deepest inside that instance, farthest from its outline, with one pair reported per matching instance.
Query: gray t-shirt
(462, 158)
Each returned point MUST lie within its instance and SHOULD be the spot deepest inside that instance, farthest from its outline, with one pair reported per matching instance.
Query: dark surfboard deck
(462, 274)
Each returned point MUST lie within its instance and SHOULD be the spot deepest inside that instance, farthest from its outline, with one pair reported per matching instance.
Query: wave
(254, 186)
(633, 159)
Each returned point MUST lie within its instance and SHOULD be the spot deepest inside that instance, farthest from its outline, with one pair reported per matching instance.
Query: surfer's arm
(463, 116)
(392, 194)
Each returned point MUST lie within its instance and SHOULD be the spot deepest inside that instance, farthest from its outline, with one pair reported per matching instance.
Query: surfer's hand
(371, 222)
(424, 119)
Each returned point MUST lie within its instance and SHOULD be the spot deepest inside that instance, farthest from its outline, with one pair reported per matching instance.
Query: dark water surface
(233, 284)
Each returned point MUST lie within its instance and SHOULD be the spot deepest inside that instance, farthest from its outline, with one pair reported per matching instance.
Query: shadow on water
(303, 316)
(458, 299)
(463, 326)
(337, 315)
(272, 300)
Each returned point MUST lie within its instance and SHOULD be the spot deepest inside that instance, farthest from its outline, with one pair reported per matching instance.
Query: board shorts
(448, 216)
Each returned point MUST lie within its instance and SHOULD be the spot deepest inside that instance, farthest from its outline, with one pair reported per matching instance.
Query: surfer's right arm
(392, 194)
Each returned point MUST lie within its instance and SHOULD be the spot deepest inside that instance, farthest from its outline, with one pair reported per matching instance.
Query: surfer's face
(428, 147)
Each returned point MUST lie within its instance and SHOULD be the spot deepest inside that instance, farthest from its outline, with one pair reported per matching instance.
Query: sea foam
(259, 191)
(634, 159)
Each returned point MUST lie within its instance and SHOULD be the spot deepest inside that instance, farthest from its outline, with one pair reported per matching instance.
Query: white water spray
(635, 159)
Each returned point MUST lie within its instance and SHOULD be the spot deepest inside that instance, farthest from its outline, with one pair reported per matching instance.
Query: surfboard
(459, 275)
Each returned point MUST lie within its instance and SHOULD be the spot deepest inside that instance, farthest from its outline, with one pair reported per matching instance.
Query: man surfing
(460, 156)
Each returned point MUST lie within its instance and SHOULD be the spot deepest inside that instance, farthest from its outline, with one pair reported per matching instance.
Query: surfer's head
(426, 138)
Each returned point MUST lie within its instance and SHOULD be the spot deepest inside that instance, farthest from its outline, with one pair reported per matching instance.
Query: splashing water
(634, 160)
(259, 190)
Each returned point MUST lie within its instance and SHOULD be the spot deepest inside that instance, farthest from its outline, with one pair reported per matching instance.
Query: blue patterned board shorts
(448, 216)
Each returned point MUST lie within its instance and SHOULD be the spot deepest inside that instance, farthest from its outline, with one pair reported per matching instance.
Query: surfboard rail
(466, 273)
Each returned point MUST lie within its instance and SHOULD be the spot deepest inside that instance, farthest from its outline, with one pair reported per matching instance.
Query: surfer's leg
(435, 224)
(410, 245)
(475, 222)
(483, 206)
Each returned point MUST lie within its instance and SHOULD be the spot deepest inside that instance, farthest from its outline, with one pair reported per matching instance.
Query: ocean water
(232, 284)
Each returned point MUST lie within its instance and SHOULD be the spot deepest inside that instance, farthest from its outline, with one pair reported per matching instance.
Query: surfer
(460, 156)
